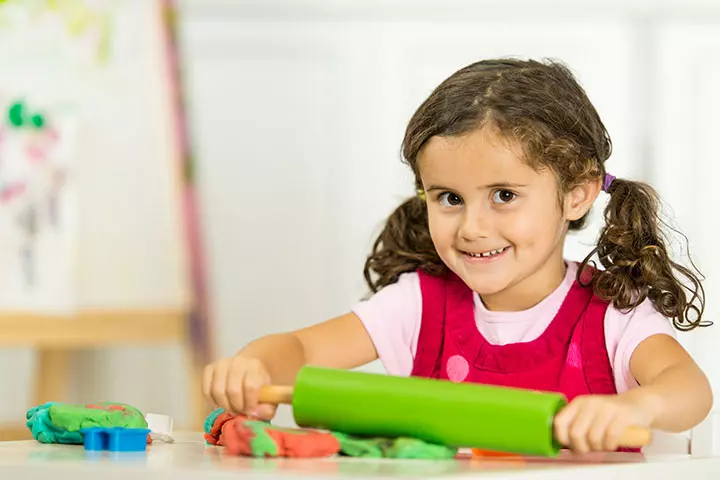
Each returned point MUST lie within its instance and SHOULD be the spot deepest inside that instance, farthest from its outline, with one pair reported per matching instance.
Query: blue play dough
(43, 430)
(210, 420)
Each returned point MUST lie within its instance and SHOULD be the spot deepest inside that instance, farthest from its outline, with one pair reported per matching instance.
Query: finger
(564, 419)
(218, 391)
(207, 381)
(235, 385)
(581, 426)
(597, 434)
(265, 411)
(614, 431)
(255, 379)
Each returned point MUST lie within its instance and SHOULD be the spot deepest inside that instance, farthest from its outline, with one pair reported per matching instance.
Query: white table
(190, 458)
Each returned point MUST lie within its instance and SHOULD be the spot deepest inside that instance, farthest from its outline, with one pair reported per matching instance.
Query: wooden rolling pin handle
(635, 437)
(276, 394)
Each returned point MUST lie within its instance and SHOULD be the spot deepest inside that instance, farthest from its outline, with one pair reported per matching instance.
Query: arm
(674, 395)
(340, 343)
(234, 383)
(672, 387)
(344, 342)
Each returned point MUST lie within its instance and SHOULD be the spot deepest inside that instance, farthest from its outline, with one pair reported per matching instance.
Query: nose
(474, 225)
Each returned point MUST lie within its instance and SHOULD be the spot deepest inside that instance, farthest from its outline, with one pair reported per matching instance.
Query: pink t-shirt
(392, 317)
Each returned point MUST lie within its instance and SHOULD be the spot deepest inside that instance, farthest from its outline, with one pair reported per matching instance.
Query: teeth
(487, 254)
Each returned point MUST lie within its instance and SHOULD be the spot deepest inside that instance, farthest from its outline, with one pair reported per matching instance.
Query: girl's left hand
(592, 423)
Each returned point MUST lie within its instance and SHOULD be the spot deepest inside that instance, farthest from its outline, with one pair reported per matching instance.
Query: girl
(469, 279)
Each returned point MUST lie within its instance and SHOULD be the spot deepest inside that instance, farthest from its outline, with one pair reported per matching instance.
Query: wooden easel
(57, 338)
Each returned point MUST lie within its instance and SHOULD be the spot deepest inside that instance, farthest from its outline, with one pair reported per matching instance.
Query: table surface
(189, 457)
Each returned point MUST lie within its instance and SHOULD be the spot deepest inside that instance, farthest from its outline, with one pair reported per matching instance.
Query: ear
(579, 200)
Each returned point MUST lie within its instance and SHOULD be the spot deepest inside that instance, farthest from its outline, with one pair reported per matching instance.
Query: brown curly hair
(541, 106)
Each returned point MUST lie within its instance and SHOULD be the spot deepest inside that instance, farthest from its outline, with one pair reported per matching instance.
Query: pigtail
(636, 262)
(404, 245)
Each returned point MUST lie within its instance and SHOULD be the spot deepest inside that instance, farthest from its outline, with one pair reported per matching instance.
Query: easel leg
(52, 375)
(199, 406)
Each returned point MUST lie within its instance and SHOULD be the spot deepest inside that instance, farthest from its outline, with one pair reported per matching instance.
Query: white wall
(299, 110)
(686, 165)
(297, 129)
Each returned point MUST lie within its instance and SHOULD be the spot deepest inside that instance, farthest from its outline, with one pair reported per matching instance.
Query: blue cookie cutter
(115, 439)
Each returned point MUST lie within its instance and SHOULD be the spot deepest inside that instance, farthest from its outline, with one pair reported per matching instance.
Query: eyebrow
(490, 185)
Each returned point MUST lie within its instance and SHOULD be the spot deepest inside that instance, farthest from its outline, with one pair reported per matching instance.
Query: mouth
(487, 255)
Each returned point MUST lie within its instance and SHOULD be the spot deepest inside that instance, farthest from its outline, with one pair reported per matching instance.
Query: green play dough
(413, 448)
(261, 443)
(43, 430)
(73, 418)
(61, 423)
(359, 447)
(403, 447)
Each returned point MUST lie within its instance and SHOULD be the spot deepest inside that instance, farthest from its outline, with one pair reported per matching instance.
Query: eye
(449, 199)
(503, 196)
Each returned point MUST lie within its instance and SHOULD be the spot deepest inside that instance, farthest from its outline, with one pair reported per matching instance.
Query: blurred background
(226, 164)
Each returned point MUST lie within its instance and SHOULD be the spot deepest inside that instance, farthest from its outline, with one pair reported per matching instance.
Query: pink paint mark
(35, 153)
(457, 368)
(574, 357)
(10, 192)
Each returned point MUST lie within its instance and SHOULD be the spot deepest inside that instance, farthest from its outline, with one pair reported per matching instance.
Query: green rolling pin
(465, 415)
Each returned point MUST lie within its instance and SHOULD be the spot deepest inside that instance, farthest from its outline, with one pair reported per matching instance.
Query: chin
(484, 289)
(485, 284)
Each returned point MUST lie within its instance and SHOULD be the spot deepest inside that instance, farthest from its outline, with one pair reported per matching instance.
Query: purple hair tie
(607, 182)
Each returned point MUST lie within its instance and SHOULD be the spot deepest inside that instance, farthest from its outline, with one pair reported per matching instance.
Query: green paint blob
(16, 114)
(37, 121)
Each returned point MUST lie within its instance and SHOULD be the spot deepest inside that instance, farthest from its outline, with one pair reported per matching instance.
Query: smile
(488, 254)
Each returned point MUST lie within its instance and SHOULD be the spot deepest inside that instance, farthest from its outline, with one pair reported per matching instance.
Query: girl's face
(496, 222)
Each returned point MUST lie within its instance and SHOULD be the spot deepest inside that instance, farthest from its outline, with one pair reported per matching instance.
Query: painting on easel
(97, 217)
(53, 45)
(37, 221)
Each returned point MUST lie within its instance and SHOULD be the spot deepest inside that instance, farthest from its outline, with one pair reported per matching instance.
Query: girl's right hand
(234, 384)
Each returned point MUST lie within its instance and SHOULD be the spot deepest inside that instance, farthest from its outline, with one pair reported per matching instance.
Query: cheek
(538, 223)
(440, 229)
